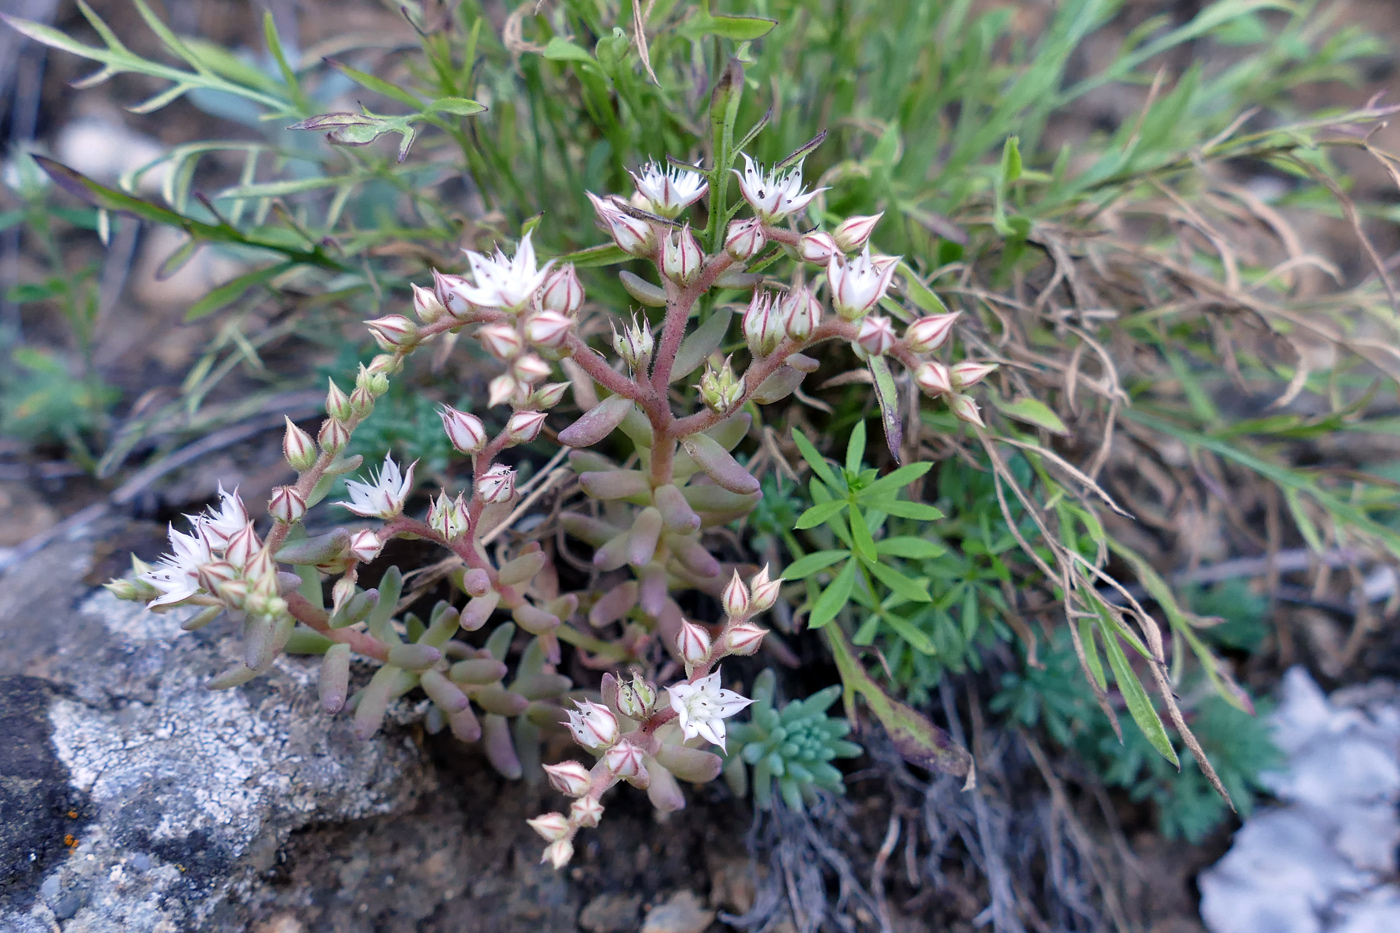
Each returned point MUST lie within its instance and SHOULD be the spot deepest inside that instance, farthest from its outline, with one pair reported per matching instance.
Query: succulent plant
(792, 747)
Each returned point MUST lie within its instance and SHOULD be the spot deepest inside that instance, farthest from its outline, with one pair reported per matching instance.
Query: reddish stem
(360, 642)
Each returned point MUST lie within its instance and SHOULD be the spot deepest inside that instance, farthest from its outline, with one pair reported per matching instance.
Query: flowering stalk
(526, 317)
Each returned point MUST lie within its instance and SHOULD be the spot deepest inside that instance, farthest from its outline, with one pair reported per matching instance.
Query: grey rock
(176, 799)
(611, 913)
(1316, 863)
(681, 913)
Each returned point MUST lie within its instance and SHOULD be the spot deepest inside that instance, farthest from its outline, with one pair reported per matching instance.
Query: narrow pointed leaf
(887, 394)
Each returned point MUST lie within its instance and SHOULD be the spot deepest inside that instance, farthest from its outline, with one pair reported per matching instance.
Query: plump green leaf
(700, 343)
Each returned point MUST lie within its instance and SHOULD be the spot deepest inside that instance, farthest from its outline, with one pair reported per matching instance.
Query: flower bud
(361, 404)
(373, 382)
(530, 369)
(763, 324)
(562, 292)
(966, 409)
(745, 238)
(933, 378)
(394, 332)
(764, 591)
(547, 396)
(548, 329)
(242, 546)
(333, 437)
(298, 448)
(569, 777)
(500, 340)
(633, 235)
(634, 344)
(586, 811)
(801, 313)
(215, 574)
(123, 589)
(719, 389)
(466, 432)
(637, 698)
(450, 291)
(853, 232)
(592, 725)
(551, 826)
(365, 546)
(286, 505)
(386, 363)
(744, 638)
(930, 333)
(501, 389)
(682, 257)
(524, 426)
(446, 517)
(624, 760)
(970, 372)
(876, 336)
(693, 644)
(496, 484)
(736, 598)
(234, 593)
(426, 305)
(816, 248)
(558, 853)
(337, 404)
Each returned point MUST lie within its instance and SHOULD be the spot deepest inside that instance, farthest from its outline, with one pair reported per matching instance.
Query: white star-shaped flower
(218, 525)
(501, 282)
(702, 707)
(669, 189)
(773, 194)
(858, 284)
(383, 498)
(176, 574)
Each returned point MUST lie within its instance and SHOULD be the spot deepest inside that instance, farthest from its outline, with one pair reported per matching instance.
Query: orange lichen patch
(70, 840)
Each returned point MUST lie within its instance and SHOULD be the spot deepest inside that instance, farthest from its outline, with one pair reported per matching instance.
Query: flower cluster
(645, 519)
(645, 744)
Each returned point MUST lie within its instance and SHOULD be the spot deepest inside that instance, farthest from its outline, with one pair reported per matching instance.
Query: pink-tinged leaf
(717, 464)
(598, 423)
